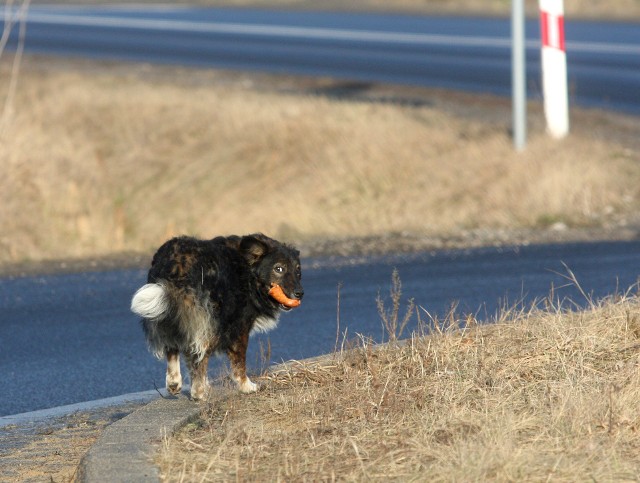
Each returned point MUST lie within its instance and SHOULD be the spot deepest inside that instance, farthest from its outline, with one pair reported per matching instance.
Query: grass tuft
(390, 317)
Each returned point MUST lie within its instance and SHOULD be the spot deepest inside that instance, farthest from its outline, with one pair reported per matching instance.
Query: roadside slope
(543, 393)
(107, 158)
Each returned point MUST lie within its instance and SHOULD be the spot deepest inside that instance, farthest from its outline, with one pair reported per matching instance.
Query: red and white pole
(554, 67)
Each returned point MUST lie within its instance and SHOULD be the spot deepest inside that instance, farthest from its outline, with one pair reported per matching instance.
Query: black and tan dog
(207, 296)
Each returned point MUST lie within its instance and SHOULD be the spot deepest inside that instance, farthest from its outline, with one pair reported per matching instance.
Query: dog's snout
(298, 293)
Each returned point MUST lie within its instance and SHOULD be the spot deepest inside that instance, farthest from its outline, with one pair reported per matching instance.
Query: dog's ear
(253, 249)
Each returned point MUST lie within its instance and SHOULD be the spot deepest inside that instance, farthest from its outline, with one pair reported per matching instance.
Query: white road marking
(287, 31)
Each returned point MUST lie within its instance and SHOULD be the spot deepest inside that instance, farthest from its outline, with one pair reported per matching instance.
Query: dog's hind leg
(174, 378)
(237, 354)
(198, 373)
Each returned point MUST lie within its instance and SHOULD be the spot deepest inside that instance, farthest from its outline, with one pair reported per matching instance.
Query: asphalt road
(460, 53)
(71, 338)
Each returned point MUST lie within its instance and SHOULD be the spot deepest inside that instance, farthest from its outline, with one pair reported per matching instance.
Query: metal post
(518, 75)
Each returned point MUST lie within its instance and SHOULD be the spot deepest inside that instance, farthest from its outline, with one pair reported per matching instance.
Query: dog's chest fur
(265, 323)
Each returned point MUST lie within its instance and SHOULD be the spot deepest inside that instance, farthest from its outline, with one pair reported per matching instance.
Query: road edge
(42, 415)
(125, 449)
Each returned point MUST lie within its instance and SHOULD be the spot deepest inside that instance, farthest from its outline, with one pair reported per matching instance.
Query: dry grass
(609, 9)
(618, 9)
(98, 160)
(543, 394)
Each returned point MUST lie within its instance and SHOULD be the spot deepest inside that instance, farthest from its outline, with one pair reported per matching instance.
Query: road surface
(71, 338)
(459, 53)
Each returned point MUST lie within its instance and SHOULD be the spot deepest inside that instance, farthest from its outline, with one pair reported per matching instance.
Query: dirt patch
(51, 450)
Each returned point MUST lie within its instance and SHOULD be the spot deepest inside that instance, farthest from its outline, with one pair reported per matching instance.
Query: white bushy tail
(150, 301)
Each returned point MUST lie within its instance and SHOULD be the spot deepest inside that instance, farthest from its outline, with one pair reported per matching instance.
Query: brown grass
(543, 394)
(610, 9)
(101, 159)
(618, 9)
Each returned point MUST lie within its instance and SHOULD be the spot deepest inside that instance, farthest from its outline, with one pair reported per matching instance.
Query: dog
(207, 296)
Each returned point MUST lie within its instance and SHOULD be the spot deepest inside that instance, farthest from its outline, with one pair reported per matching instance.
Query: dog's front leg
(198, 373)
(174, 378)
(237, 354)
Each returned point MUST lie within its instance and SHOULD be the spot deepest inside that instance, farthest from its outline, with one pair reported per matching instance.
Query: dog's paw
(199, 391)
(198, 395)
(174, 388)
(248, 386)
(174, 384)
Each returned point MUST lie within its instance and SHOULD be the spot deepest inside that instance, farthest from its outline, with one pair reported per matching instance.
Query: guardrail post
(518, 75)
(554, 67)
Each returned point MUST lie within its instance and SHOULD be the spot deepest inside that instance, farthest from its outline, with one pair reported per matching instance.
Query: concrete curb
(124, 450)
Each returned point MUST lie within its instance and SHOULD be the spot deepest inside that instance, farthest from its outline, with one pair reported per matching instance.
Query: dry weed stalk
(391, 322)
(10, 18)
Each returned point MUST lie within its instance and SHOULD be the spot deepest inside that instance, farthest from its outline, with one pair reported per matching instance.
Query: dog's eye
(278, 269)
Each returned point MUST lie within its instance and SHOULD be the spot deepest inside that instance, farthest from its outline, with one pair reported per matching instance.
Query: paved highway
(71, 338)
(459, 53)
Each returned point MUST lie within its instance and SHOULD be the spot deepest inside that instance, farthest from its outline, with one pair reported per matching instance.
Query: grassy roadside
(542, 394)
(103, 158)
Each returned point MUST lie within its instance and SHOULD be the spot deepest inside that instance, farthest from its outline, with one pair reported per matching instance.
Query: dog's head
(273, 263)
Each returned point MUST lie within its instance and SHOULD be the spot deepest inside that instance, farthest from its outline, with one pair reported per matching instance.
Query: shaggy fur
(207, 296)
